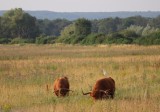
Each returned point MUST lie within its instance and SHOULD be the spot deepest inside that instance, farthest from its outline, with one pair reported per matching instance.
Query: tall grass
(25, 70)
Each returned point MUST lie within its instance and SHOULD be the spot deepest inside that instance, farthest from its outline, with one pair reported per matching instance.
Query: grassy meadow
(25, 70)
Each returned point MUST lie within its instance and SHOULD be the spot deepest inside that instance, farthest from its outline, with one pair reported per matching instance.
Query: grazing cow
(104, 88)
(61, 86)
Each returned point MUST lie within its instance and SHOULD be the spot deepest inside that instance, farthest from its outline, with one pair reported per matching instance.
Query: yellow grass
(26, 70)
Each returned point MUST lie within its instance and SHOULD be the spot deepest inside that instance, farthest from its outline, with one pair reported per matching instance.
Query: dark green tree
(19, 24)
(52, 27)
(3, 33)
(135, 20)
(155, 22)
(1, 27)
(109, 25)
(82, 27)
(67, 34)
(94, 28)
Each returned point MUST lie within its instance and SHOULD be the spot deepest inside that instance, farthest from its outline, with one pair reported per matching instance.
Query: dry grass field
(25, 70)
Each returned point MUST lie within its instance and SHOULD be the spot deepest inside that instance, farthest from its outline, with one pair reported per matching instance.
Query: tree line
(17, 26)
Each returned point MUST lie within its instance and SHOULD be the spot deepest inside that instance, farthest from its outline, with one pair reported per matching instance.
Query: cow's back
(105, 83)
(63, 83)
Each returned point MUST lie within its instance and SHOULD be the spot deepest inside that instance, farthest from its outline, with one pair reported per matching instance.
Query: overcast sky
(82, 5)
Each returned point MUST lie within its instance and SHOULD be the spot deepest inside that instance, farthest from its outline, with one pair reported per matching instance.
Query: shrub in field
(117, 38)
(4, 40)
(45, 39)
(21, 40)
(152, 39)
(93, 39)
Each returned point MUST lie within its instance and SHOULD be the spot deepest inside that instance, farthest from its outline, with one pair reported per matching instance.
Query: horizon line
(84, 11)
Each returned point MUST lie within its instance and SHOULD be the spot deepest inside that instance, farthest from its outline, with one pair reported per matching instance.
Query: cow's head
(97, 94)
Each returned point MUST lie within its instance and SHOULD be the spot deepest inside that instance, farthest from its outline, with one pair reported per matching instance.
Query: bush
(93, 39)
(45, 40)
(21, 40)
(152, 39)
(129, 34)
(68, 39)
(117, 38)
(4, 40)
(50, 39)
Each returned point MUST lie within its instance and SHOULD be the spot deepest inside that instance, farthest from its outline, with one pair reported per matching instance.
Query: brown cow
(104, 88)
(61, 86)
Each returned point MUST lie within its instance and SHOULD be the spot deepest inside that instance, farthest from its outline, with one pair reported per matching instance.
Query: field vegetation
(25, 70)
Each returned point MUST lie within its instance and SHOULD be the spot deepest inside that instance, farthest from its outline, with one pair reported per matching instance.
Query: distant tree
(127, 22)
(137, 29)
(129, 33)
(4, 28)
(140, 21)
(136, 20)
(68, 31)
(148, 30)
(82, 27)
(19, 24)
(43, 26)
(94, 28)
(118, 22)
(3, 33)
(43, 39)
(93, 38)
(75, 32)
(109, 25)
(52, 27)
(60, 24)
(118, 38)
(155, 22)
(1, 27)
(67, 34)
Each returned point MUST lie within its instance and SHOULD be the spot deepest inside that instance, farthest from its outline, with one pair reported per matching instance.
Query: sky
(82, 5)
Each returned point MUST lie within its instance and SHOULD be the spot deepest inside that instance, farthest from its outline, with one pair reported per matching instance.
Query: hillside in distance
(88, 15)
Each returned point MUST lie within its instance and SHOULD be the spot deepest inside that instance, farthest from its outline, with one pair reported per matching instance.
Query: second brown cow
(104, 88)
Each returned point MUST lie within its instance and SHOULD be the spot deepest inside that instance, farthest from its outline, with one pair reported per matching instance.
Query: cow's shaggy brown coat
(104, 88)
(61, 86)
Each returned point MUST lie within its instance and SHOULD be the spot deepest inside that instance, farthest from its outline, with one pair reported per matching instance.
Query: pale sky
(82, 5)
